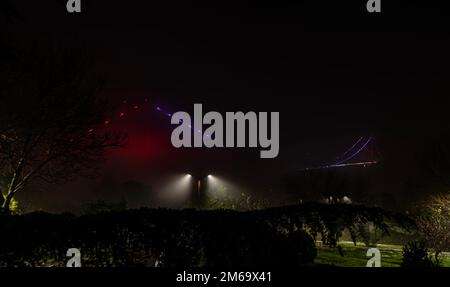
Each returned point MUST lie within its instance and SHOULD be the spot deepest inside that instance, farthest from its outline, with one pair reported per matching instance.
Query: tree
(434, 223)
(51, 120)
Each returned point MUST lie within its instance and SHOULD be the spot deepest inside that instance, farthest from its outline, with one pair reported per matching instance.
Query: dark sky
(332, 70)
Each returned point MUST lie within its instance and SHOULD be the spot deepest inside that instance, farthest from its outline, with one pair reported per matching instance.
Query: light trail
(350, 149)
(159, 109)
(364, 163)
(356, 153)
(340, 163)
(344, 162)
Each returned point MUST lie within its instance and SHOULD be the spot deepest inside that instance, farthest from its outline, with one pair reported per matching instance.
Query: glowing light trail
(360, 145)
(340, 163)
(364, 164)
(356, 153)
(351, 148)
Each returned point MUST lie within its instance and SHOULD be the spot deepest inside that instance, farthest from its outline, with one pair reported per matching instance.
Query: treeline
(276, 237)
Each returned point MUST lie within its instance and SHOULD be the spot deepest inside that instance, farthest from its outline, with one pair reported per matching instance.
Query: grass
(355, 256)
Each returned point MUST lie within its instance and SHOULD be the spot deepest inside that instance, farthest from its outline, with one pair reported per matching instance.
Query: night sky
(333, 71)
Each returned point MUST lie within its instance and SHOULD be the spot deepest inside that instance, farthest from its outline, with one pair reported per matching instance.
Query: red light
(136, 107)
(106, 122)
(121, 114)
(90, 130)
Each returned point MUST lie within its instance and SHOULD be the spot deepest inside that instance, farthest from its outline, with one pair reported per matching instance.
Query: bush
(186, 238)
(303, 246)
(415, 254)
(273, 237)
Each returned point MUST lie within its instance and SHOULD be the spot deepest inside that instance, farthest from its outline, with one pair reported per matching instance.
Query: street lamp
(198, 196)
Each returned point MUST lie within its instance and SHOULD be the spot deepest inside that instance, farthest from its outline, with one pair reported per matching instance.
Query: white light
(174, 190)
(209, 176)
(347, 200)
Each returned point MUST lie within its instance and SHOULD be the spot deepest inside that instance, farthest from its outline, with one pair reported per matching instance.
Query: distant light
(209, 176)
(347, 200)
(121, 114)
(90, 130)
(188, 175)
(136, 107)
(158, 108)
(107, 122)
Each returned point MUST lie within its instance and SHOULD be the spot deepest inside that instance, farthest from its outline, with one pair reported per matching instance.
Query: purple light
(364, 164)
(359, 145)
(351, 148)
(356, 153)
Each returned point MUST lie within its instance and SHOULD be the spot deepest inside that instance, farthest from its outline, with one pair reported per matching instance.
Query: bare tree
(51, 118)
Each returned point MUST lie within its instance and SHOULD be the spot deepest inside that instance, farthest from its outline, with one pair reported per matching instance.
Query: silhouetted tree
(51, 121)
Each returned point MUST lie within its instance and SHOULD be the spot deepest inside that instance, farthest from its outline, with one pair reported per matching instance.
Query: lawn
(355, 256)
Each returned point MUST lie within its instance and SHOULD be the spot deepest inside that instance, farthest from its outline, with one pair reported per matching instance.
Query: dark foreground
(281, 237)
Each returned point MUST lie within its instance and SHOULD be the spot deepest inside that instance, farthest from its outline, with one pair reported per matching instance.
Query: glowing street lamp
(199, 180)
